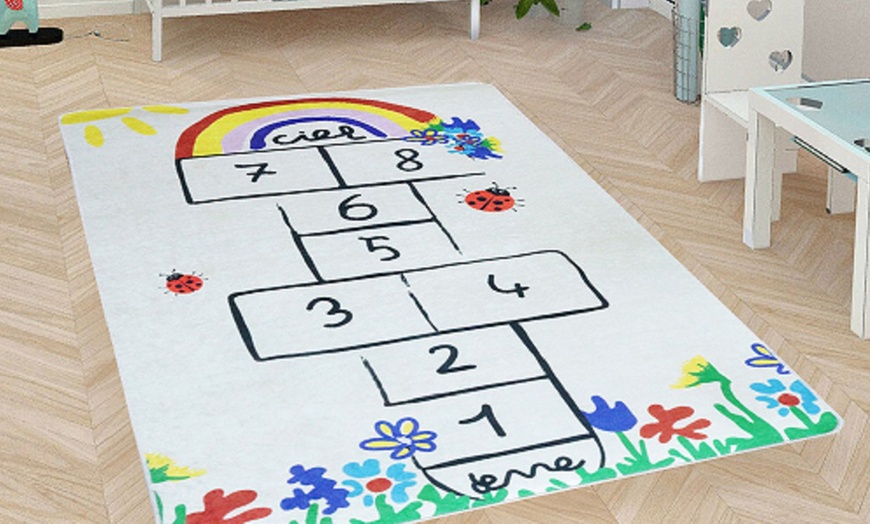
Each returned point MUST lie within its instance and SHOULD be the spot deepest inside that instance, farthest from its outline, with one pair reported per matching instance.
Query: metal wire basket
(687, 56)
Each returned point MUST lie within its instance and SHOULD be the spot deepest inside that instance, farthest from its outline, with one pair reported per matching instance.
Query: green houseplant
(523, 7)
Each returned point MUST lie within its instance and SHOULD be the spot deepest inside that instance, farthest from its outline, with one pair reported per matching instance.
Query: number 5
(370, 244)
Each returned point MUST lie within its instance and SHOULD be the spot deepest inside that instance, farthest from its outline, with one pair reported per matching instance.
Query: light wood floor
(66, 449)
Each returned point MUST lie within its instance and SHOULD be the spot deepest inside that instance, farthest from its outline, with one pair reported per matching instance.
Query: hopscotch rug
(387, 305)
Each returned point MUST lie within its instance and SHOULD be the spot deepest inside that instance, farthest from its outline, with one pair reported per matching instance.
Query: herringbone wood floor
(66, 450)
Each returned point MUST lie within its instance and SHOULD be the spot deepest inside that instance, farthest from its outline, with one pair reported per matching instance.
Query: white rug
(386, 305)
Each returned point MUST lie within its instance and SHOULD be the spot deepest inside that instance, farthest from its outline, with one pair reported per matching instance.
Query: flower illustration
(164, 469)
(322, 488)
(403, 439)
(764, 358)
(460, 136)
(367, 481)
(218, 506)
(613, 419)
(776, 396)
(698, 371)
(427, 137)
(665, 427)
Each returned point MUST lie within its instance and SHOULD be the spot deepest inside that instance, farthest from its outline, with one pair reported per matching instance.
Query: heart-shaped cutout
(780, 60)
(759, 9)
(729, 36)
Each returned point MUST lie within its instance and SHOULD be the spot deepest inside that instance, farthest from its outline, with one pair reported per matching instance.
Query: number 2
(448, 365)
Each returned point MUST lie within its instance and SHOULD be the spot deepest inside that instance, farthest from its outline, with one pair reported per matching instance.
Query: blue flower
(617, 418)
(396, 481)
(458, 126)
(322, 488)
(403, 439)
(461, 137)
(776, 396)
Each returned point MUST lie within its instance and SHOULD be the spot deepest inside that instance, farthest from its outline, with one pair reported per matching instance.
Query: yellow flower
(697, 371)
(165, 469)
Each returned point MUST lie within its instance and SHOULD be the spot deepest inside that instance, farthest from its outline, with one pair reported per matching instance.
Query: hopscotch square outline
(247, 339)
(340, 184)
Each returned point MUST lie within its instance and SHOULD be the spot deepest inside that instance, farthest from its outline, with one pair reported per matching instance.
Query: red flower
(217, 507)
(787, 399)
(667, 419)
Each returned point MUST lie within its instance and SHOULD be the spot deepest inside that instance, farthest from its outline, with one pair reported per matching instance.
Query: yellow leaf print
(94, 136)
(82, 117)
(138, 126)
(167, 110)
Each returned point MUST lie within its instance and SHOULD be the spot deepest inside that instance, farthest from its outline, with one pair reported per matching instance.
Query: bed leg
(157, 30)
(474, 31)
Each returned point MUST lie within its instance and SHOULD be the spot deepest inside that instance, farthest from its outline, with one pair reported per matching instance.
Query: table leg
(861, 268)
(841, 193)
(758, 189)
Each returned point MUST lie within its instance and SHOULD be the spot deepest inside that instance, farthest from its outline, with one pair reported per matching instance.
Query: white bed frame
(161, 9)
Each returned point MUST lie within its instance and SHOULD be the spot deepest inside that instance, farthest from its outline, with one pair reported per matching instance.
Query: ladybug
(491, 200)
(183, 284)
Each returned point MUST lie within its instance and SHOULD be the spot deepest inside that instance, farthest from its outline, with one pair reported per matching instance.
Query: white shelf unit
(162, 9)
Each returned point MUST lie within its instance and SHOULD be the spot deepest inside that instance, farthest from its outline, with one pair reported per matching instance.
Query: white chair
(752, 43)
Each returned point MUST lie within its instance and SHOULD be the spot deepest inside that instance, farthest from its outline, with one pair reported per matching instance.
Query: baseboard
(627, 4)
(633, 4)
(72, 9)
(662, 7)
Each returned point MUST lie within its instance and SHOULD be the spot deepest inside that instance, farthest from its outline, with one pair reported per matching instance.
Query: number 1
(486, 413)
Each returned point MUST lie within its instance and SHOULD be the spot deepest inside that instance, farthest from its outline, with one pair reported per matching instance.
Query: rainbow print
(245, 127)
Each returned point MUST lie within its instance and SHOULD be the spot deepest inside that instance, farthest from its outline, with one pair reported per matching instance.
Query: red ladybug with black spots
(491, 200)
(183, 283)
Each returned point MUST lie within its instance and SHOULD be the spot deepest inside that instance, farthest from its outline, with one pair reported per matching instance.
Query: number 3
(334, 309)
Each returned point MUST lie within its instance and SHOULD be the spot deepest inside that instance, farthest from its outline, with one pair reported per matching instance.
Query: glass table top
(842, 108)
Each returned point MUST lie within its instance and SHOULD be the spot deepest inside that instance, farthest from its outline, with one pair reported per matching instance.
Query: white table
(833, 118)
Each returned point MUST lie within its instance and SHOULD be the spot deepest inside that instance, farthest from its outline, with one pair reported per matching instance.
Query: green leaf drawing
(448, 503)
(490, 498)
(638, 460)
(388, 515)
(180, 514)
(700, 452)
(312, 514)
(826, 424)
(596, 476)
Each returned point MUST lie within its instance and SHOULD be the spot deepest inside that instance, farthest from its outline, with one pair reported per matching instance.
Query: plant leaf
(550, 5)
(523, 7)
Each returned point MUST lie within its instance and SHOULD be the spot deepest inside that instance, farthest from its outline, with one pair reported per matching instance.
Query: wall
(836, 39)
(626, 4)
(69, 8)
(836, 35)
